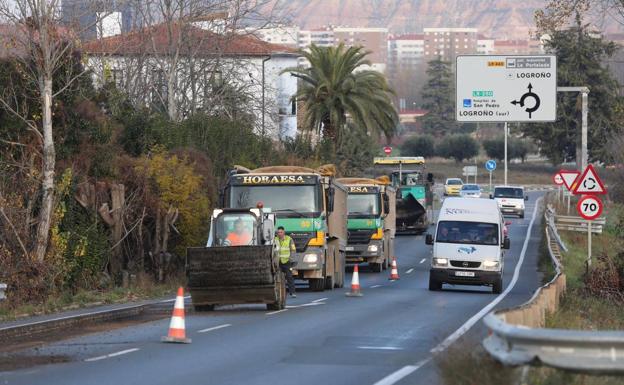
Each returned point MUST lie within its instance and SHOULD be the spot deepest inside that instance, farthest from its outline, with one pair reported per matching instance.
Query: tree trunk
(49, 159)
(171, 102)
(118, 201)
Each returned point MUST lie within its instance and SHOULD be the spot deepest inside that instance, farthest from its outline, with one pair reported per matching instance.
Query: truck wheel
(376, 267)
(434, 285)
(521, 215)
(497, 287)
(199, 308)
(329, 283)
(317, 284)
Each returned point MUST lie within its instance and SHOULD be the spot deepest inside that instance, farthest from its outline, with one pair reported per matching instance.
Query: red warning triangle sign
(569, 176)
(589, 183)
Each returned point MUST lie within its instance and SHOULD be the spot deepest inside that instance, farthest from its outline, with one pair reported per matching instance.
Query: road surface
(387, 336)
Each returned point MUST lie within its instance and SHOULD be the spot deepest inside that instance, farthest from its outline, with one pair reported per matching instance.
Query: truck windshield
(477, 233)
(292, 200)
(408, 178)
(363, 204)
(508, 192)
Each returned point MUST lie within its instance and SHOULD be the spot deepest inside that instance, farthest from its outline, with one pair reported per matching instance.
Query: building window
(293, 107)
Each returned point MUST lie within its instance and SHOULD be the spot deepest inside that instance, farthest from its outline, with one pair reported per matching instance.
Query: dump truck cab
(310, 205)
(414, 201)
(371, 221)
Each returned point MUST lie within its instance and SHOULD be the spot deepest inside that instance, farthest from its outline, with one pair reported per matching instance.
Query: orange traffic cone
(355, 284)
(177, 328)
(394, 273)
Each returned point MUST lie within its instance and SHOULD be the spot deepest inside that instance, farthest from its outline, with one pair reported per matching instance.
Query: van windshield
(477, 233)
(508, 192)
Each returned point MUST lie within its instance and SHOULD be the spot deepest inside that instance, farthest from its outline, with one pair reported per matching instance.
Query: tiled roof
(194, 41)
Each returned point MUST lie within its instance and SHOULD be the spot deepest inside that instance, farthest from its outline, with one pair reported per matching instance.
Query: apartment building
(447, 43)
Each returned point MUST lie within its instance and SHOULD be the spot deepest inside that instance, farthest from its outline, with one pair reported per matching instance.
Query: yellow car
(453, 186)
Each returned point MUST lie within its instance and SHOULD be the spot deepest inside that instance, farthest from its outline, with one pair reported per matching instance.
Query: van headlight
(310, 258)
(373, 248)
(440, 262)
(490, 265)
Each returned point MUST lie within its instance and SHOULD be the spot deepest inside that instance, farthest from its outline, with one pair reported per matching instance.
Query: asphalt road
(387, 336)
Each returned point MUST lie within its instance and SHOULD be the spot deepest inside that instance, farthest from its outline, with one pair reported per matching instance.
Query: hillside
(503, 19)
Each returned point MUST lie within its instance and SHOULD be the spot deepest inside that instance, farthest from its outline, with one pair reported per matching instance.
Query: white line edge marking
(379, 348)
(402, 373)
(112, 355)
(409, 271)
(276, 312)
(375, 286)
(423, 260)
(214, 328)
(409, 369)
(319, 300)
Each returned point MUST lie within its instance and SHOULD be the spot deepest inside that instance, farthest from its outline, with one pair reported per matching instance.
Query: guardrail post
(3, 287)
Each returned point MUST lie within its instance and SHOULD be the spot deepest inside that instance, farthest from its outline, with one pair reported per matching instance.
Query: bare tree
(36, 39)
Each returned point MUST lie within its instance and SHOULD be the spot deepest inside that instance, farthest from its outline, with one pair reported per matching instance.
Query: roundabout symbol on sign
(529, 94)
(490, 165)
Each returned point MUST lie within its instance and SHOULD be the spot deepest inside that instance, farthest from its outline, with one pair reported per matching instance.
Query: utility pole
(584, 107)
(506, 131)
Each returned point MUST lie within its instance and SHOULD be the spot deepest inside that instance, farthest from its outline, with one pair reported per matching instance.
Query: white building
(209, 69)
(405, 51)
(485, 45)
(280, 34)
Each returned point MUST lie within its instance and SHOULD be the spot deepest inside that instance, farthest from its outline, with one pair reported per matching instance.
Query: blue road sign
(490, 165)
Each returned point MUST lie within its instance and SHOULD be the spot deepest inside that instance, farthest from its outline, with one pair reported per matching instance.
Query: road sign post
(490, 165)
(558, 180)
(589, 207)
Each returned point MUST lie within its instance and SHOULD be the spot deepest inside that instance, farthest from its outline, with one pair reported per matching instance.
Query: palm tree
(334, 92)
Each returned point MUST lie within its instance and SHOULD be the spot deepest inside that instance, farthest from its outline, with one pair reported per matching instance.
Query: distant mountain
(500, 19)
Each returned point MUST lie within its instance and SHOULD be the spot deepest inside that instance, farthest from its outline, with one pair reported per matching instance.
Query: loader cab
(250, 227)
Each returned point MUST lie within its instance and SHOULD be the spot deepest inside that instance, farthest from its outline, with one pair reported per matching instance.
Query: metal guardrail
(573, 223)
(3, 287)
(518, 336)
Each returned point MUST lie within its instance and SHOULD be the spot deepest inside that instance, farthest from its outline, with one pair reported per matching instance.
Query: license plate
(350, 248)
(464, 274)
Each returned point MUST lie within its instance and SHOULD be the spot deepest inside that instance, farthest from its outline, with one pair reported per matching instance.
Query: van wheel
(317, 284)
(434, 285)
(497, 287)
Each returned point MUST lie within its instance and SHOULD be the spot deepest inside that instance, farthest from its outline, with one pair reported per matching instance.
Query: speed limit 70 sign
(589, 207)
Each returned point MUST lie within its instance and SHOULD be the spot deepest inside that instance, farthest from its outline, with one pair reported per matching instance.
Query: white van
(469, 244)
(510, 199)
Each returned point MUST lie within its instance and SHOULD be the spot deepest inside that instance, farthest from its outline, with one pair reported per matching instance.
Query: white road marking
(423, 260)
(409, 271)
(475, 318)
(375, 286)
(276, 312)
(409, 369)
(319, 300)
(379, 347)
(304, 305)
(214, 328)
(112, 355)
(401, 373)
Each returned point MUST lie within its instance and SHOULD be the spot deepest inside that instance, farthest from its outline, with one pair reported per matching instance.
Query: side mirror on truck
(430, 177)
(386, 203)
(330, 199)
(506, 243)
(429, 239)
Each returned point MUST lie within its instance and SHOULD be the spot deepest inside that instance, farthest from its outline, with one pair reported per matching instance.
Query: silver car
(470, 191)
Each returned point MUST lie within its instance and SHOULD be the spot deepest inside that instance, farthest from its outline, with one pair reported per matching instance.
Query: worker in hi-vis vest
(285, 247)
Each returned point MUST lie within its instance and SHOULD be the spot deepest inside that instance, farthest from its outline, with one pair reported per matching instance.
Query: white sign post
(504, 88)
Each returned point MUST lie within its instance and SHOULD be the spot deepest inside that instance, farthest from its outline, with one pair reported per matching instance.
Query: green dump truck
(371, 221)
(239, 263)
(414, 204)
(312, 208)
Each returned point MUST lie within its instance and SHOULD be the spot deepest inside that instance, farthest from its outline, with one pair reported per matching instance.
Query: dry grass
(142, 289)
(518, 173)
